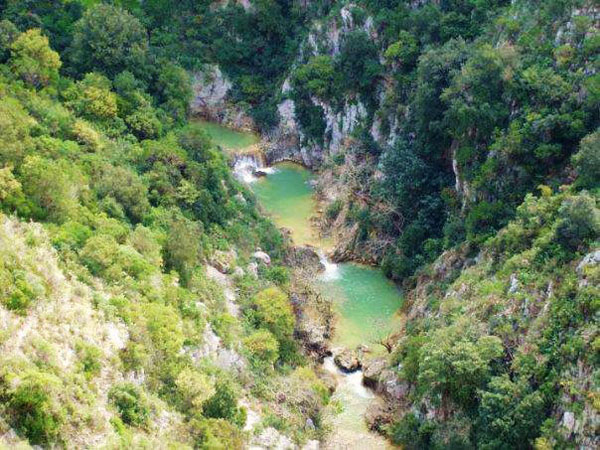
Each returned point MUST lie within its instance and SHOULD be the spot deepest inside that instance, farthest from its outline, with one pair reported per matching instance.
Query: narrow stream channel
(365, 301)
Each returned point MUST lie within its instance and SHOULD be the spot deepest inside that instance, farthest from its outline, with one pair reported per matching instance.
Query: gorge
(300, 224)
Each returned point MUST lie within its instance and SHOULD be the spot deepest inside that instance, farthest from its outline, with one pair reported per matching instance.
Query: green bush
(223, 405)
(274, 312)
(34, 409)
(579, 221)
(89, 359)
(131, 404)
(263, 348)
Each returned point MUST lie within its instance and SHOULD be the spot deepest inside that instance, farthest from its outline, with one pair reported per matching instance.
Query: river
(365, 301)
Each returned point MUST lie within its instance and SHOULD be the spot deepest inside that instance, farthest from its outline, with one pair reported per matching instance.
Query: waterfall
(247, 167)
(331, 269)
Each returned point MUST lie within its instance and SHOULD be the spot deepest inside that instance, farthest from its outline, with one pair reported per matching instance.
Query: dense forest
(456, 145)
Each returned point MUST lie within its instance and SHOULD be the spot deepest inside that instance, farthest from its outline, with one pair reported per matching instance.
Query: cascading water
(331, 271)
(248, 167)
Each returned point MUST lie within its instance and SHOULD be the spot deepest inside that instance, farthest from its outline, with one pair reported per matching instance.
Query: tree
(358, 61)
(455, 362)
(33, 60)
(174, 90)
(274, 312)
(587, 161)
(510, 415)
(108, 39)
(318, 77)
(403, 52)
(579, 221)
(8, 34)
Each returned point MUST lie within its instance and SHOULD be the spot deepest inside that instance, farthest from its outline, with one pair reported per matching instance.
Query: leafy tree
(33, 60)
(579, 221)
(318, 77)
(403, 52)
(587, 161)
(455, 362)
(358, 62)
(182, 247)
(51, 188)
(274, 312)
(109, 40)
(510, 415)
(174, 91)
(8, 34)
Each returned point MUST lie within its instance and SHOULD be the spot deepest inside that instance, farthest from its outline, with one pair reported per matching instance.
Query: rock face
(305, 258)
(372, 370)
(211, 89)
(347, 360)
(288, 141)
(223, 261)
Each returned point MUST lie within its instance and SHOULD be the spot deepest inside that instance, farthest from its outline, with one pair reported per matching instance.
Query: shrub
(579, 221)
(89, 359)
(587, 162)
(130, 403)
(216, 434)
(35, 412)
(263, 348)
(194, 387)
(223, 405)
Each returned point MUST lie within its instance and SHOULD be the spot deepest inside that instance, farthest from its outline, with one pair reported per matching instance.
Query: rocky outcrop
(211, 99)
(305, 258)
(372, 370)
(288, 141)
(347, 360)
(261, 257)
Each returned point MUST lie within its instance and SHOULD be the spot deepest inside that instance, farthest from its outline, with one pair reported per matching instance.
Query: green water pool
(286, 195)
(366, 303)
(226, 137)
(365, 299)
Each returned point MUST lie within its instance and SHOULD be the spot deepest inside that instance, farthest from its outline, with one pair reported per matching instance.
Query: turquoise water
(288, 198)
(227, 138)
(366, 303)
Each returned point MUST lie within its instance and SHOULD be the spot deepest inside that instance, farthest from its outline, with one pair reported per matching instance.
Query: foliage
(130, 403)
(35, 412)
(223, 405)
(33, 59)
(109, 40)
(274, 312)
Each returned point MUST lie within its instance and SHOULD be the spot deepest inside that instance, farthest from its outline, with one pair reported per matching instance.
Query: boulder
(347, 360)
(391, 386)
(304, 257)
(372, 370)
(262, 257)
(378, 416)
